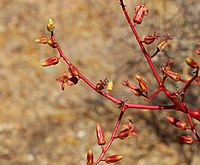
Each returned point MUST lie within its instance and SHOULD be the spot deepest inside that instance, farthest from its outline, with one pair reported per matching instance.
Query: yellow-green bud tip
(50, 25)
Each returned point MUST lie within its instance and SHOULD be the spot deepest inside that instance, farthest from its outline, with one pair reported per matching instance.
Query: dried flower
(50, 61)
(67, 79)
(178, 123)
(100, 135)
(140, 11)
(113, 158)
(101, 84)
(130, 130)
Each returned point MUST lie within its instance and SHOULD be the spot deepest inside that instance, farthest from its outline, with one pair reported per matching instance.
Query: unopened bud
(42, 40)
(173, 75)
(50, 25)
(110, 86)
(191, 62)
(141, 11)
(100, 135)
(113, 158)
(178, 123)
(150, 39)
(143, 85)
(50, 61)
(90, 158)
(185, 139)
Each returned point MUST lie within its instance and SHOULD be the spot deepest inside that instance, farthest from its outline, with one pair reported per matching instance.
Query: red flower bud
(90, 158)
(141, 11)
(113, 158)
(191, 62)
(178, 123)
(150, 39)
(100, 135)
(50, 61)
(185, 139)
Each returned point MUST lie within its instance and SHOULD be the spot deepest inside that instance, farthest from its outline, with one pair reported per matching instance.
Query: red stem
(113, 135)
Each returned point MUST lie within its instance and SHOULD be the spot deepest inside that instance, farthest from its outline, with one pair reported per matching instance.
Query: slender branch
(148, 58)
(113, 135)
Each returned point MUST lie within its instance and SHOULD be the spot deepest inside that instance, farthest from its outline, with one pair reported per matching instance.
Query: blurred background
(42, 125)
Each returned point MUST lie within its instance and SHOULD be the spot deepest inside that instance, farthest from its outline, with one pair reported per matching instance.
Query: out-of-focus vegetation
(41, 125)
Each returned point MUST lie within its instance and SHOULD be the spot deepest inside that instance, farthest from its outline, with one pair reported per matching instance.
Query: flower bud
(178, 123)
(185, 139)
(113, 158)
(50, 61)
(100, 135)
(110, 86)
(173, 75)
(150, 39)
(42, 40)
(50, 25)
(191, 62)
(141, 11)
(143, 85)
(90, 158)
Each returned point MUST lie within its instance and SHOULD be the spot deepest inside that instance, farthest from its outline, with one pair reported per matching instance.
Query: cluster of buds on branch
(104, 87)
